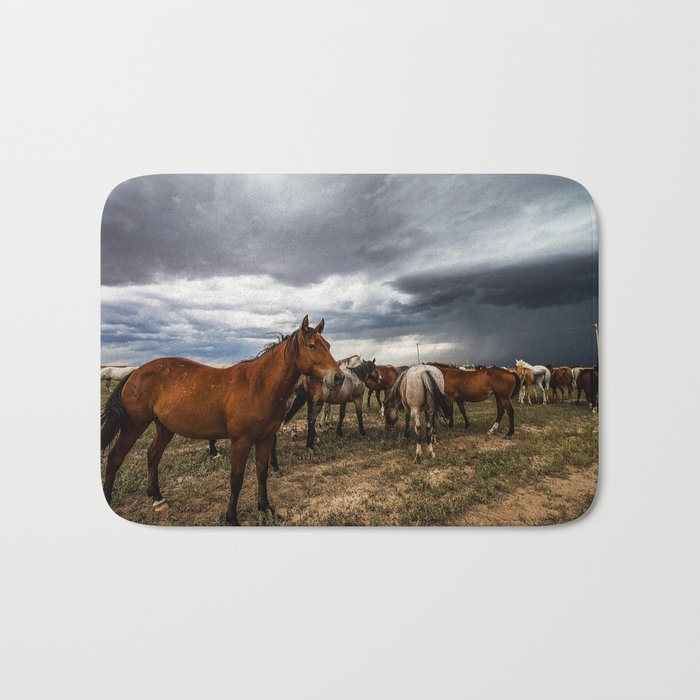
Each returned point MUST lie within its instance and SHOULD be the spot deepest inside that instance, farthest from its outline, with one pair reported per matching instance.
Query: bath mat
(364, 350)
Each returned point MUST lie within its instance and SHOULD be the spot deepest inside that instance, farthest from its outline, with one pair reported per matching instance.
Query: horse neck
(278, 369)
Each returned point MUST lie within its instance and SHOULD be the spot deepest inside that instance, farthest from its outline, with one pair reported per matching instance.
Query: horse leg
(311, 413)
(416, 427)
(369, 398)
(407, 431)
(507, 404)
(578, 396)
(239, 455)
(339, 429)
(213, 452)
(127, 437)
(430, 417)
(263, 450)
(109, 382)
(499, 414)
(273, 458)
(154, 454)
(358, 411)
(463, 411)
(451, 408)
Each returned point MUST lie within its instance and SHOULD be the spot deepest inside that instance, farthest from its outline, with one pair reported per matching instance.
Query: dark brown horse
(476, 386)
(244, 403)
(562, 378)
(587, 381)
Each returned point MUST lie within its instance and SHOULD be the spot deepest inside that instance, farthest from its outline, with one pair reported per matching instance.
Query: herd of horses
(249, 401)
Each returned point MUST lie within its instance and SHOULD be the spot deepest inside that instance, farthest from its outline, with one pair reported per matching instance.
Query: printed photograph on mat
(349, 350)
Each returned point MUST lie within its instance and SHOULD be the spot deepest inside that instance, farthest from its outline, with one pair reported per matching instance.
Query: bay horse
(116, 373)
(527, 381)
(383, 379)
(244, 403)
(476, 386)
(420, 388)
(587, 381)
(541, 374)
(561, 378)
(315, 394)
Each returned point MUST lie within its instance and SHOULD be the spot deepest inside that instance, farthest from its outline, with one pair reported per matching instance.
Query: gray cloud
(483, 267)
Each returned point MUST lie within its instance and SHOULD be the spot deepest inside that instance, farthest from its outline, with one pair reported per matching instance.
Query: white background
(603, 92)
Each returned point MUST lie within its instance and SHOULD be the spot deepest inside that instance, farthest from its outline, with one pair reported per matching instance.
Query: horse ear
(321, 326)
(305, 323)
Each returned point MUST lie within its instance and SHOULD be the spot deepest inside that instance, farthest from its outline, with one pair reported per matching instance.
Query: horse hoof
(160, 505)
(277, 473)
(508, 437)
(216, 456)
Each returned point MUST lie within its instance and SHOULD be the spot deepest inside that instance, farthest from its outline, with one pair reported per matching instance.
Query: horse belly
(190, 413)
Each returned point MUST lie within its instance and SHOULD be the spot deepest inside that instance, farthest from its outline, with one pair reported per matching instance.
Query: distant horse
(315, 393)
(383, 379)
(541, 374)
(244, 403)
(561, 378)
(587, 381)
(476, 386)
(116, 373)
(420, 388)
(575, 371)
(527, 381)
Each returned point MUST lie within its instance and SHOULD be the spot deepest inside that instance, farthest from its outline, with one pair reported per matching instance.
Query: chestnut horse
(476, 386)
(561, 378)
(244, 403)
(527, 382)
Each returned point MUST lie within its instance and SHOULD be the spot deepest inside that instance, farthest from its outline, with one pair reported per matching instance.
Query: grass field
(545, 475)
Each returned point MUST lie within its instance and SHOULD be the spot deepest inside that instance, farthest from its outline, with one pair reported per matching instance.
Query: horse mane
(281, 337)
(362, 371)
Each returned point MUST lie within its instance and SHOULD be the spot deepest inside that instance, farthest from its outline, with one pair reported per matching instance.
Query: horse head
(313, 355)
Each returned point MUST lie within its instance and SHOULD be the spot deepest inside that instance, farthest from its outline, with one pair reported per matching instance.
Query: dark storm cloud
(558, 281)
(303, 228)
(477, 267)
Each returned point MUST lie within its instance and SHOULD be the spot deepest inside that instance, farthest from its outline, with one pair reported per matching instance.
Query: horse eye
(311, 346)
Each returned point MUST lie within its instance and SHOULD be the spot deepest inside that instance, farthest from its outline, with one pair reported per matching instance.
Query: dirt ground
(546, 474)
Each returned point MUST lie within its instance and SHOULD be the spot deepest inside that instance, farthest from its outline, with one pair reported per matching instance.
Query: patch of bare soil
(552, 501)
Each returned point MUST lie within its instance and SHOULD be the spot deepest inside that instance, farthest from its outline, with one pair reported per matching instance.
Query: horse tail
(436, 393)
(301, 398)
(113, 415)
(516, 376)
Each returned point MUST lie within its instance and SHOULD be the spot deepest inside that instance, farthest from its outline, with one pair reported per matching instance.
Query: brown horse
(527, 383)
(587, 381)
(383, 379)
(244, 403)
(477, 385)
(562, 378)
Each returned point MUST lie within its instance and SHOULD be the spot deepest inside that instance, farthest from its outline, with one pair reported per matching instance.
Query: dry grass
(547, 474)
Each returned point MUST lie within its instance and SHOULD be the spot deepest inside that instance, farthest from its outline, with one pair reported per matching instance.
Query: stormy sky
(478, 268)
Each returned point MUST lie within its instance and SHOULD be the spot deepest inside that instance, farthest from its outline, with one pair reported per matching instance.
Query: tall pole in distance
(597, 347)
(418, 352)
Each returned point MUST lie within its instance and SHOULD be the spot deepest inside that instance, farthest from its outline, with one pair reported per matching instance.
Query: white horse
(116, 373)
(420, 388)
(541, 374)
